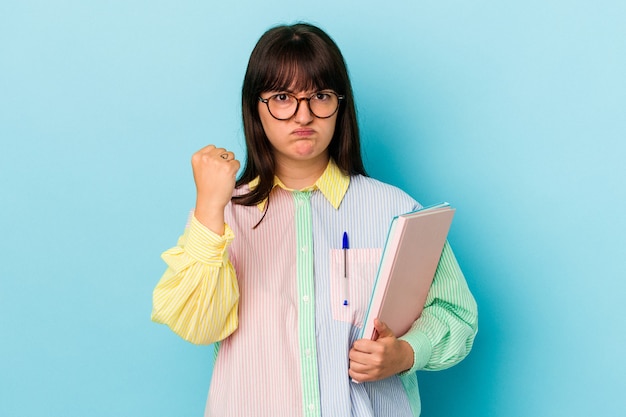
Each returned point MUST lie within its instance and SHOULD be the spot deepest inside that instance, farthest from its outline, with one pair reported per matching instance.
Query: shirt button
(305, 248)
(311, 407)
(307, 352)
(305, 298)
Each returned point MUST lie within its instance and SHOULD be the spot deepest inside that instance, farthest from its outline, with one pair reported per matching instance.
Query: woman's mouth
(303, 132)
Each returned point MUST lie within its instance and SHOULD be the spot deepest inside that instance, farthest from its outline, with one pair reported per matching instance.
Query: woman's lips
(303, 132)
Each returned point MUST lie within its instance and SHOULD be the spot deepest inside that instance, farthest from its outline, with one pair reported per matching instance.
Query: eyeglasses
(284, 106)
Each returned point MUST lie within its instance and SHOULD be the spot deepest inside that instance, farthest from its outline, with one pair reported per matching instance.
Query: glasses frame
(340, 97)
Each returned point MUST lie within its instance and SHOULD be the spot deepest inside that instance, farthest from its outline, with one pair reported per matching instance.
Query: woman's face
(301, 138)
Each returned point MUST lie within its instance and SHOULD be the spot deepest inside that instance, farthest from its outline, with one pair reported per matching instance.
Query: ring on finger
(224, 156)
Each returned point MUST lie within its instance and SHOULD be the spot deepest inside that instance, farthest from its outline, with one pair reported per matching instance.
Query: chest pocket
(361, 266)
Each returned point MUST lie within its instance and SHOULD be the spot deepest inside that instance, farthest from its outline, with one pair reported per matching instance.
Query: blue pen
(344, 282)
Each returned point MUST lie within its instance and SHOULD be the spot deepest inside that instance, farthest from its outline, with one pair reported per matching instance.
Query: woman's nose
(303, 114)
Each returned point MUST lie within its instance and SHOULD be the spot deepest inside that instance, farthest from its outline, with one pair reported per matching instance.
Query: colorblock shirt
(272, 297)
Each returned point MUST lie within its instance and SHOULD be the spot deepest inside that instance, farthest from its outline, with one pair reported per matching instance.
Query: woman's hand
(380, 359)
(214, 171)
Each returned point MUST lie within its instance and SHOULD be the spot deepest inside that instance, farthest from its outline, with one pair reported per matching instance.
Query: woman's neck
(300, 174)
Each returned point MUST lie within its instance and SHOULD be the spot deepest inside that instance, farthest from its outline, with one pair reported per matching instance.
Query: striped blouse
(271, 296)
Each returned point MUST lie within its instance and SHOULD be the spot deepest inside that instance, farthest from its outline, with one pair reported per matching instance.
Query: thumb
(382, 329)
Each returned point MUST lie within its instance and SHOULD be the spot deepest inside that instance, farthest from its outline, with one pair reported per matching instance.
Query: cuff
(422, 350)
(205, 245)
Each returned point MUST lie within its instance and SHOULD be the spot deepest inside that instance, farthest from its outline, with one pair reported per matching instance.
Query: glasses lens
(282, 106)
(323, 104)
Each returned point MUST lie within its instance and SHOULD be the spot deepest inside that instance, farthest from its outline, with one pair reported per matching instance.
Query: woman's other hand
(374, 360)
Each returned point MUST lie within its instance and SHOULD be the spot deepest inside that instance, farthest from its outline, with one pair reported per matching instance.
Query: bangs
(299, 65)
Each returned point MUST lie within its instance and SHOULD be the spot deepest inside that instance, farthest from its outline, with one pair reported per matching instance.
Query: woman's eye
(281, 97)
(322, 96)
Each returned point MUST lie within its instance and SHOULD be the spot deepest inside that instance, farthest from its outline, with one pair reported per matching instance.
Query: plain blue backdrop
(515, 112)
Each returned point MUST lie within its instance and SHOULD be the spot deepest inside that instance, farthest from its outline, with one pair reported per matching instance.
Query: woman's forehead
(294, 85)
(293, 77)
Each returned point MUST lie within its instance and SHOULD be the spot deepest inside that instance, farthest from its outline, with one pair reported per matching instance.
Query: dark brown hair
(305, 55)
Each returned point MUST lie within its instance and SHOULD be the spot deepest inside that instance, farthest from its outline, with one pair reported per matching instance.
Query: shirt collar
(333, 184)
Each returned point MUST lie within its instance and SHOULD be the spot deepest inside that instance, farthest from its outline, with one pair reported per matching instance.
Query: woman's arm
(198, 295)
(440, 338)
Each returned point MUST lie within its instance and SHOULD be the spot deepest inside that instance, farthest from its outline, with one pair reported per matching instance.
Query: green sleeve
(445, 332)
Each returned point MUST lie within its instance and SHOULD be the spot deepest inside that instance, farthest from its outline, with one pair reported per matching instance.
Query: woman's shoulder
(377, 189)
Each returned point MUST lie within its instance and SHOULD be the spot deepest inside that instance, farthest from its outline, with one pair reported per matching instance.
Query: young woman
(258, 270)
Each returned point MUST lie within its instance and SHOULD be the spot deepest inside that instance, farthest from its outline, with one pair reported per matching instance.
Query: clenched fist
(214, 171)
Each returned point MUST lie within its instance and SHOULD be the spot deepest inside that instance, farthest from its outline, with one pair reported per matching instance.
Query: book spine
(382, 279)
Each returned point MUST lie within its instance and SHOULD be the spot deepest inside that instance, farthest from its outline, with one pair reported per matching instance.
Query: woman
(259, 266)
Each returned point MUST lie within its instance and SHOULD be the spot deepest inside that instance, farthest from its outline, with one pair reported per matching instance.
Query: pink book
(407, 267)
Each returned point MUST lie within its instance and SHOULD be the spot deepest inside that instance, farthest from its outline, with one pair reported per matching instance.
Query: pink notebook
(407, 267)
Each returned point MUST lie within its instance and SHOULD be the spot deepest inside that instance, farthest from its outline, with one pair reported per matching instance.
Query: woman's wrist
(408, 355)
(211, 217)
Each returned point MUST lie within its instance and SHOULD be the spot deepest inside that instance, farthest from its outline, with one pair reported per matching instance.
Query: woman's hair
(298, 57)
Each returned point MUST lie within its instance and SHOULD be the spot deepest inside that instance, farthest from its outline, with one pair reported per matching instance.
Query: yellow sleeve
(198, 296)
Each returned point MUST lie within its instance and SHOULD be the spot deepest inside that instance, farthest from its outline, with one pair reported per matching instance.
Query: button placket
(306, 313)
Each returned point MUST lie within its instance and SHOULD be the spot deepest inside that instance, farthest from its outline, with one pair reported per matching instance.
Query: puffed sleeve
(198, 296)
(445, 332)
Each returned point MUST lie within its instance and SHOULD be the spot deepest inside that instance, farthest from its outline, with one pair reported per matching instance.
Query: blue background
(515, 112)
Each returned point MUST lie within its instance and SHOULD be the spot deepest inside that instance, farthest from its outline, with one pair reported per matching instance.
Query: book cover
(407, 267)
